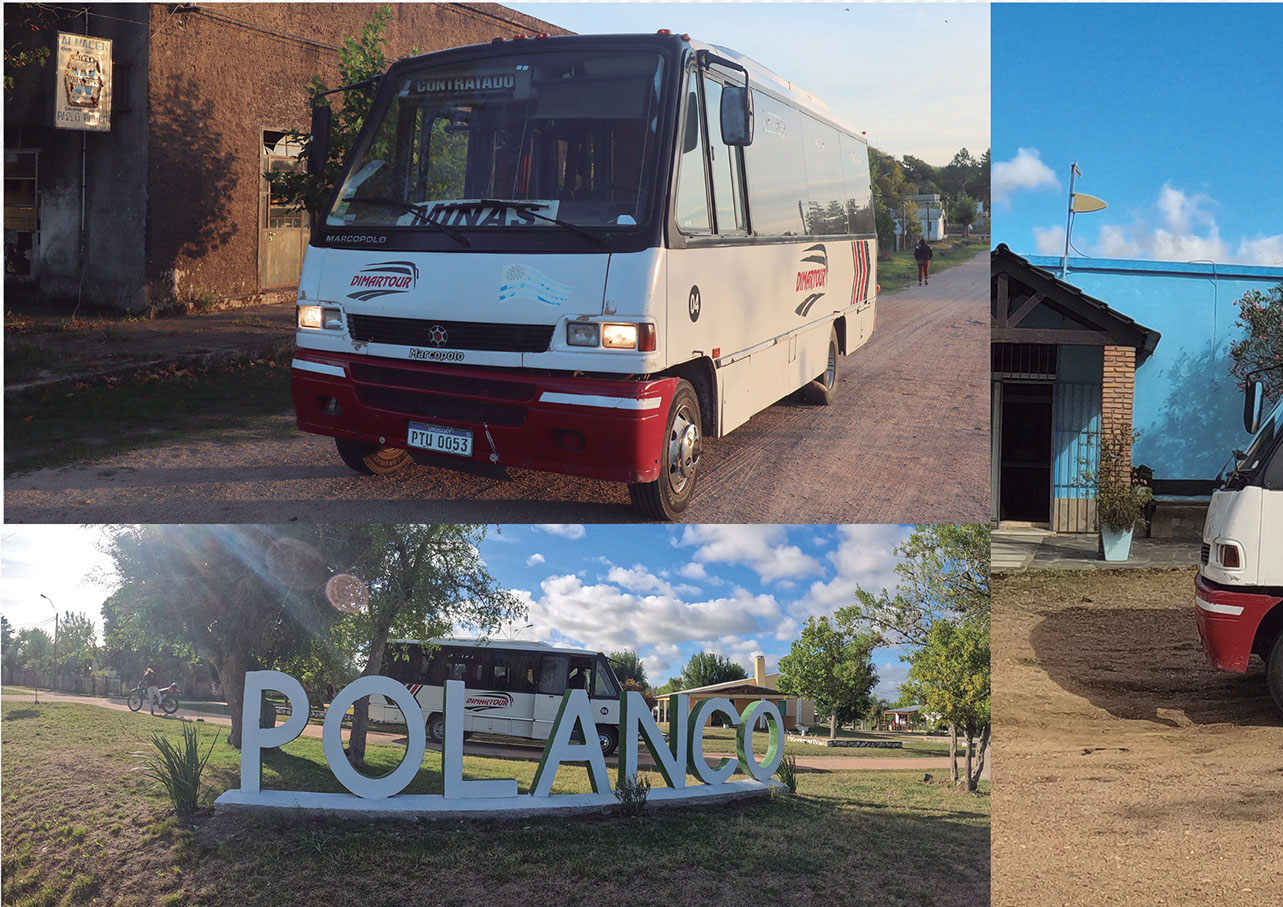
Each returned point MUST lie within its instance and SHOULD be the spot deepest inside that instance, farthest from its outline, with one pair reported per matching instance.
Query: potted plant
(1121, 501)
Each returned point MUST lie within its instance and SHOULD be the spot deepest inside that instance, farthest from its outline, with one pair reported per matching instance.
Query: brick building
(1063, 366)
(169, 208)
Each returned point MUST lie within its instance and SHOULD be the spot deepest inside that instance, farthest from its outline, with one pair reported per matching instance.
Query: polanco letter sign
(674, 757)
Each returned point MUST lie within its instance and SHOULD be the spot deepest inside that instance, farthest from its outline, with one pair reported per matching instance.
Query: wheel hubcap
(683, 451)
(830, 373)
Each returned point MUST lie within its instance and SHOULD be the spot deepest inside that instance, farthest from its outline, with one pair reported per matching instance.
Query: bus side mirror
(318, 151)
(1253, 403)
(737, 115)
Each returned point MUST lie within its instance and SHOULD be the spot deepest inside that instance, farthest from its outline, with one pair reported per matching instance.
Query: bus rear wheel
(370, 459)
(666, 497)
(1274, 672)
(436, 728)
(823, 390)
(608, 737)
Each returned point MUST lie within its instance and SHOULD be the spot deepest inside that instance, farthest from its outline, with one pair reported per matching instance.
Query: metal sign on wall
(82, 96)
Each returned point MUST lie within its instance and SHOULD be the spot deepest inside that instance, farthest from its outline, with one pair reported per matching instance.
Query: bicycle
(168, 698)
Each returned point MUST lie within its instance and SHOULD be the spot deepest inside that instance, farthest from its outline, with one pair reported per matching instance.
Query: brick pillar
(1117, 391)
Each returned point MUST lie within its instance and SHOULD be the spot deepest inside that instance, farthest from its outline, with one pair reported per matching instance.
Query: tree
(628, 666)
(833, 665)
(422, 580)
(707, 668)
(362, 57)
(671, 685)
(877, 711)
(943, 580)
(239, 596)
(6, 641)
(32, 650)
(963, 211)
(77, 644)
(1260, 313)
(950, 676)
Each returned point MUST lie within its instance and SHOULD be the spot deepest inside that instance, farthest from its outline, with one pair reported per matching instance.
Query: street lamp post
(55, 634)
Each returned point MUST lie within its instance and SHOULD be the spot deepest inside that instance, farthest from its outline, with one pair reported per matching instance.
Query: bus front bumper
(601, 428)
(1227, 622)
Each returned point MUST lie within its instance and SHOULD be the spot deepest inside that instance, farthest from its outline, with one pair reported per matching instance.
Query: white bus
(1239, 588)
(513, 688)
(581, 254)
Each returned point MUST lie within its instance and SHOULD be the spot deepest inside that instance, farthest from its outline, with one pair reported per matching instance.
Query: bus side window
(519, 673)
(434, 668)
(580, 677)
(552, 674)
(690, 207)
(603, 682)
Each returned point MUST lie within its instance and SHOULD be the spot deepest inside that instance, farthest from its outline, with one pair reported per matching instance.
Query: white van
(513, 688)
(581, 254)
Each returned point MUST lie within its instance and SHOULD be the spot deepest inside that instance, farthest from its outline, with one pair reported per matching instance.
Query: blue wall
(1188, 407)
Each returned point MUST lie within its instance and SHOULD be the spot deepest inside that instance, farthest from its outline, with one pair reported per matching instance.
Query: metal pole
(1069, 220)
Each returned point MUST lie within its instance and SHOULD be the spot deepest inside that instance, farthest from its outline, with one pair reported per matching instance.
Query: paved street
(907, 440)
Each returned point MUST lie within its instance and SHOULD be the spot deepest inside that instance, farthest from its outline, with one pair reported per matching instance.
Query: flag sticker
(524, 282)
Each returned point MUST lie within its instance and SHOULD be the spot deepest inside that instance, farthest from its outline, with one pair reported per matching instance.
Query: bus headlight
(619, 336)
(583, 333)
(319, 318)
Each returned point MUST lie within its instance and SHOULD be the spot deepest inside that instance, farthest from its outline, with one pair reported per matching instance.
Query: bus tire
(370, 459)
(667, 496)
(823, 390)
(1274, 671)
(436, 728)
(608, 736)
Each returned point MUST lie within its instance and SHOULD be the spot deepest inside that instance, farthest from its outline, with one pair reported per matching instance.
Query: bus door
(516, 676)
(552, 684)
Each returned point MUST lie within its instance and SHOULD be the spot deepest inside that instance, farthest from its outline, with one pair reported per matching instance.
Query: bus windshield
(532, 140)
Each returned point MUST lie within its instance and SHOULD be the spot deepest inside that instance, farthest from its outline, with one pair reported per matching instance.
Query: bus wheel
(436, 728)
(370, 459)
(823, 389)
(1274, 671)
(667, 496)
(608, 736)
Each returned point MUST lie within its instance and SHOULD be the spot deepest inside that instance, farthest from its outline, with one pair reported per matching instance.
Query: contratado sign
(675, 756)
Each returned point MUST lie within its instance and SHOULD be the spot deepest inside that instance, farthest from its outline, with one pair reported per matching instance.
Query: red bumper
(1227, 622)
(608, 429)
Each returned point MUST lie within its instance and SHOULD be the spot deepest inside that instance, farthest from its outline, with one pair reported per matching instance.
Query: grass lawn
(108, 418)
(83, 825)
(901, 270)
(722, 740)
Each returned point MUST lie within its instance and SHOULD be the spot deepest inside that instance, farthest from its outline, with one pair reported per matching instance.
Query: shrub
(1120, 501)
(178, 766)
(631, 794)
(787, 772)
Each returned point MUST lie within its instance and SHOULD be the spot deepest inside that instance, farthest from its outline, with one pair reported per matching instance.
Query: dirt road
(1126, 770)
(517, 750)
(908, 440)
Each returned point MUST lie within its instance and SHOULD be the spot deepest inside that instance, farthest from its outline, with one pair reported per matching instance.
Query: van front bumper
(601, 428)
(1227, 622)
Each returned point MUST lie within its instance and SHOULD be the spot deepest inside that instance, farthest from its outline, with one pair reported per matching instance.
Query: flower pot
(1117, 544)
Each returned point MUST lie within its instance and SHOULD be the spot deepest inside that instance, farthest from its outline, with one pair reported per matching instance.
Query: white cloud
(693, 570)
(1024, 173)
(863, 558)
(1178, 226)
(565, 530)
(534, 559)
(763, 549)
(638, 579)
(1049, 240)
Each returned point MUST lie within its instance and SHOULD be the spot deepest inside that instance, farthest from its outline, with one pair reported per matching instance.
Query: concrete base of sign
(825, 741)
(427, 807)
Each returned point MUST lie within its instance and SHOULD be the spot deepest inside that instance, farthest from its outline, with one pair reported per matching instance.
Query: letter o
(744, 740)
(416, 738)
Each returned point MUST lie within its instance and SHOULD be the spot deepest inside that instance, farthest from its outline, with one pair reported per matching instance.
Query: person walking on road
(923, 252)
(149, 684)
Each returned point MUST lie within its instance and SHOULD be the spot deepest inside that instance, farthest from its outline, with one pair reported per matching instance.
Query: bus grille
(460, 335)
(411, 403)
(1205, 554)
(453, 384)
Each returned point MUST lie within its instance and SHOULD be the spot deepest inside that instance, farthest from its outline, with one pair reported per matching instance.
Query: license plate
(440, 439)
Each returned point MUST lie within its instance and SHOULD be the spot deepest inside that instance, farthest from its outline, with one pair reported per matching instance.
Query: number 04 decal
(693, 303)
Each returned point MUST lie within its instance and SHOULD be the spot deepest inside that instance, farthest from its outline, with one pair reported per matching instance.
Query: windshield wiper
(574, 228)
(420, 217)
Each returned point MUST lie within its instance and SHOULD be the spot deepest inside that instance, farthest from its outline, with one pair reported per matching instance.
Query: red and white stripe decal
(860, 287)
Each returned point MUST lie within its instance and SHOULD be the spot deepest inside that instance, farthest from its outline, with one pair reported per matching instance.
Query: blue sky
(1174, 113)
(914, 76)
(664, 591)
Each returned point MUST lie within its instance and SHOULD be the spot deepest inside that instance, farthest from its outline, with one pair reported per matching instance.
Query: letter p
(255, 739)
